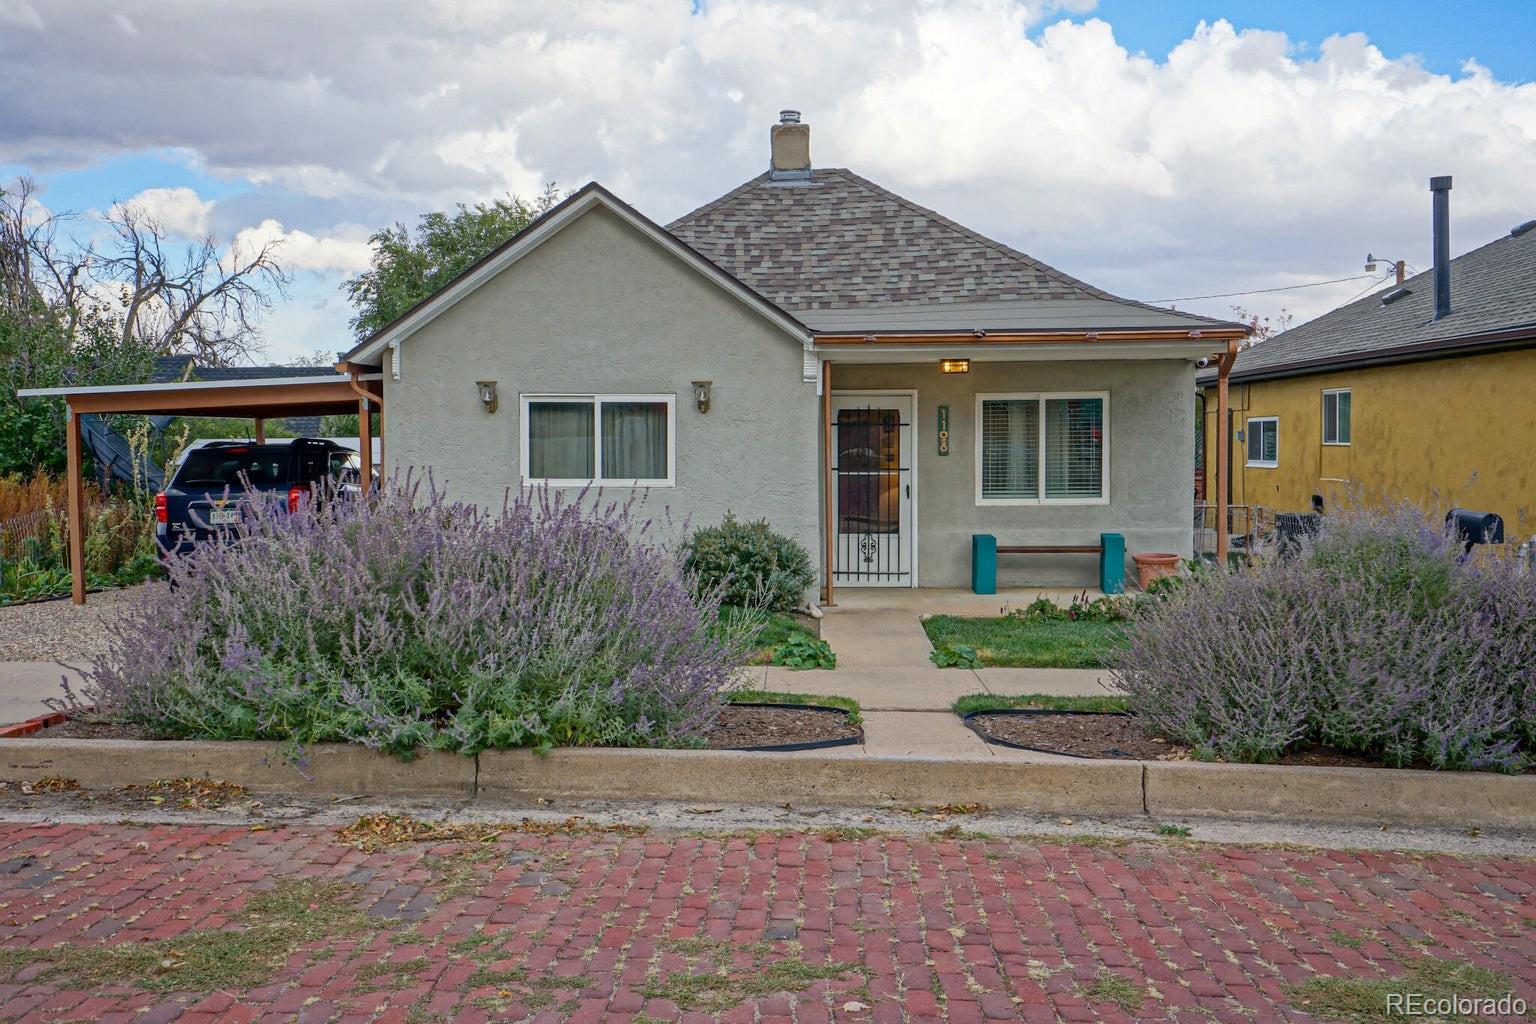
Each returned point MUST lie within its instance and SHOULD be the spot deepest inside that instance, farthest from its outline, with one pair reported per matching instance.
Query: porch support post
(1223, 445)
(76, 506)
(365, 442)
(828, 503)
(261, 430)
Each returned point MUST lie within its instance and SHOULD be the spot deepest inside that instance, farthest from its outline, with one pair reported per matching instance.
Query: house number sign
(943, 421)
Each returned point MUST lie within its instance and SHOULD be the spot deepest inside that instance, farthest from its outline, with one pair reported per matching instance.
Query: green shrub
(750, 564)
(803, 651)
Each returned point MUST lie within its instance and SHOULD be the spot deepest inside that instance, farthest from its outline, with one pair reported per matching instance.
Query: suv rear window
(216, 468)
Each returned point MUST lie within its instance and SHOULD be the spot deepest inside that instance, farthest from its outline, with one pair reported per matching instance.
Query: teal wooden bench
(985, 549)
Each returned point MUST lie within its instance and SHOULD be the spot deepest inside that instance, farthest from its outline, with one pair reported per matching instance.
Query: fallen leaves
(376, 831)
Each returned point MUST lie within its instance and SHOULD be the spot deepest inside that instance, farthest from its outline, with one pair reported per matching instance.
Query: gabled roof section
(1493, 302)
(841, 245)
(550, 223)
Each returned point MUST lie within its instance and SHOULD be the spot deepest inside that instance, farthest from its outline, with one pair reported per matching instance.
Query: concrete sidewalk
(25, 684)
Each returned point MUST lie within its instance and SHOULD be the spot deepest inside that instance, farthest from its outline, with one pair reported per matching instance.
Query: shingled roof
(1493, 302)
(844, 254)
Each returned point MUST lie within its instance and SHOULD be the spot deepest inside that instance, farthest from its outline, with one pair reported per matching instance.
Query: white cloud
(180, 211)
(21, 14)
(345, 253)
(1239, 161)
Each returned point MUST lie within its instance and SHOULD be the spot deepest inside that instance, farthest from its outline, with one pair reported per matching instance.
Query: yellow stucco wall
(1445, 432)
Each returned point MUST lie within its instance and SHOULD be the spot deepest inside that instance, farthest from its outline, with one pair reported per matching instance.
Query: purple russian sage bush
(1379, 639)
(405, 620)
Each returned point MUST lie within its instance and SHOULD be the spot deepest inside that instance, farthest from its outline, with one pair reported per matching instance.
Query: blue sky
(1500, 36)
(1271, 154)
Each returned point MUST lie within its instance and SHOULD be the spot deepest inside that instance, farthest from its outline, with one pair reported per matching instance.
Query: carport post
(365, 442)
(261, 430)
(1223, 445)
(76, 505)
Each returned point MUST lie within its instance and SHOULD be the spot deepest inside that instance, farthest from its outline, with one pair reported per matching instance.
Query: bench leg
(983, 563)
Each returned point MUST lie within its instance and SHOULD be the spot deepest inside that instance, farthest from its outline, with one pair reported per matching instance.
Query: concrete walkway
(25, 684)
(882, 662)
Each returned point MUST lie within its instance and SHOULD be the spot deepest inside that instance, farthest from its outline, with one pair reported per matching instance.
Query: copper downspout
(1223, 445)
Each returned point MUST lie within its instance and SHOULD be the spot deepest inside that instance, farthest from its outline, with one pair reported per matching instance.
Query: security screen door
(872, 471)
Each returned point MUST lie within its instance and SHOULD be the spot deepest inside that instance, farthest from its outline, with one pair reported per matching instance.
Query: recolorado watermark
(1418, 1004)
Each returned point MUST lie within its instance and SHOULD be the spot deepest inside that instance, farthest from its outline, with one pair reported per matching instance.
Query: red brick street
(149, 924)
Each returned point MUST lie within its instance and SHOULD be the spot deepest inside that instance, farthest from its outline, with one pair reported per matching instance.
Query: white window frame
(1274, 421)
(1323, 409)
(597, 402)
(1042, 397)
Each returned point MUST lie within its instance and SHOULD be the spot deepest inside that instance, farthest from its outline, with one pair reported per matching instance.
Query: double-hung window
(1264, 442)
(1336, 403)
(611, 440)
(1042, 448)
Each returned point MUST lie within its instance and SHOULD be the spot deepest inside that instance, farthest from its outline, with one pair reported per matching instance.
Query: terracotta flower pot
(1152, 564)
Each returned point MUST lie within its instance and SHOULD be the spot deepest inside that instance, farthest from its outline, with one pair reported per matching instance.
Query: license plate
(223, 516)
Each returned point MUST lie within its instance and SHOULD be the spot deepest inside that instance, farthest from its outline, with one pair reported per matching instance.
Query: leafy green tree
(409, 267)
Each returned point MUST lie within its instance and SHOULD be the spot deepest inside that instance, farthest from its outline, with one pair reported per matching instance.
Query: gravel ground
(61, 630)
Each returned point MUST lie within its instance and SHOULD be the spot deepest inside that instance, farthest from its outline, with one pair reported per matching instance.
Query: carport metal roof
(260, 400)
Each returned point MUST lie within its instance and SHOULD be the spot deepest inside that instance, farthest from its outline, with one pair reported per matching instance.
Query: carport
(260, 400)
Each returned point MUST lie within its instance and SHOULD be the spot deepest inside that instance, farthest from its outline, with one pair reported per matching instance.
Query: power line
(1369, 287)
(1259, 291)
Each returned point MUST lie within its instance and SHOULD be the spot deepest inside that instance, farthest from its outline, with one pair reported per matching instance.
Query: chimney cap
(789, 117)
(1440, 184)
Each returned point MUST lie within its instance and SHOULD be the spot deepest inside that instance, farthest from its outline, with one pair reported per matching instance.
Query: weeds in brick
(713, 985)
(1112, 988)
(275, 924)
(398, 974)
(1364, 1000)
(457, 873)
(1168, 828)
(1346, 939)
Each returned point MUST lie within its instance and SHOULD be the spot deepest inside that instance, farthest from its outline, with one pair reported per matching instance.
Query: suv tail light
(297, 493)
(162, 511)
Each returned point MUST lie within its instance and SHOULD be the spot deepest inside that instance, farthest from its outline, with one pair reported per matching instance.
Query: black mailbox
(1475, 527)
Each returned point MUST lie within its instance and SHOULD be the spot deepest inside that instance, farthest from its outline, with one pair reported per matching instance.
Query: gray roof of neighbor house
(1493, 303)
(845, 255)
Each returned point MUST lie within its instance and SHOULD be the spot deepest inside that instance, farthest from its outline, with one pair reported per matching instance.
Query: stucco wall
(1150, 451)
(599, 308)
(1440, 433)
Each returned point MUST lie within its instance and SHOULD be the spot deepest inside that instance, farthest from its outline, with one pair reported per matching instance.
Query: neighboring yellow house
(1385, 396)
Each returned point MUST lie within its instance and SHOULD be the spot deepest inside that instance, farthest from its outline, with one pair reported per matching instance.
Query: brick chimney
(790, 148)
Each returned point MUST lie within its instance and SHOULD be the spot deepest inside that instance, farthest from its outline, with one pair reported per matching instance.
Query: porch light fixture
(954, 366)
(487, 389)
(701, 389)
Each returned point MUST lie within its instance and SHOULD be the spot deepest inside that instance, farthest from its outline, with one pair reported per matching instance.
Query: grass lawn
(1037, 643)
(1038, 702)
(848, 704)
(778, 628)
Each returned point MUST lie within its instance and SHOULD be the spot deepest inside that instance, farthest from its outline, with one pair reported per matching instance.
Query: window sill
(1047, 502)
(597, 484)
(1262, 465)
(1336, 444)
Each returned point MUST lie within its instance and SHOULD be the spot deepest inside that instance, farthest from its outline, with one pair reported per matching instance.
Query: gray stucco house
(807, 335)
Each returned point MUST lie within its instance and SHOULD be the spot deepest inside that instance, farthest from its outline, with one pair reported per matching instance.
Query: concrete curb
(341, 768)
(1386, 795)
(725, 776)
(1159, 788)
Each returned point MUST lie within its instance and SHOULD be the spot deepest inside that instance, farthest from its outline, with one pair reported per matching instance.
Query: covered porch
(1043, 440)
(258, 400)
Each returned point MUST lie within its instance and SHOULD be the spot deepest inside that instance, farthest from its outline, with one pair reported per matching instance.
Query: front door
(872, 469)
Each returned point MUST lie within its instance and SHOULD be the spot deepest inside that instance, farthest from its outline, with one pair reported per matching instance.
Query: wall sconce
(701, 390)
(487, 390)
(954, 366)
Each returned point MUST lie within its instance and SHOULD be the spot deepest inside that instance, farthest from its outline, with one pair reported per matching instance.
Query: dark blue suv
(202, 499)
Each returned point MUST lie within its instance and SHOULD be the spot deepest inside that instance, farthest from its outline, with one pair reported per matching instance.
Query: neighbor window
(604, 439)
(1036, 448)
(1264, 442)
(1336, 416)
